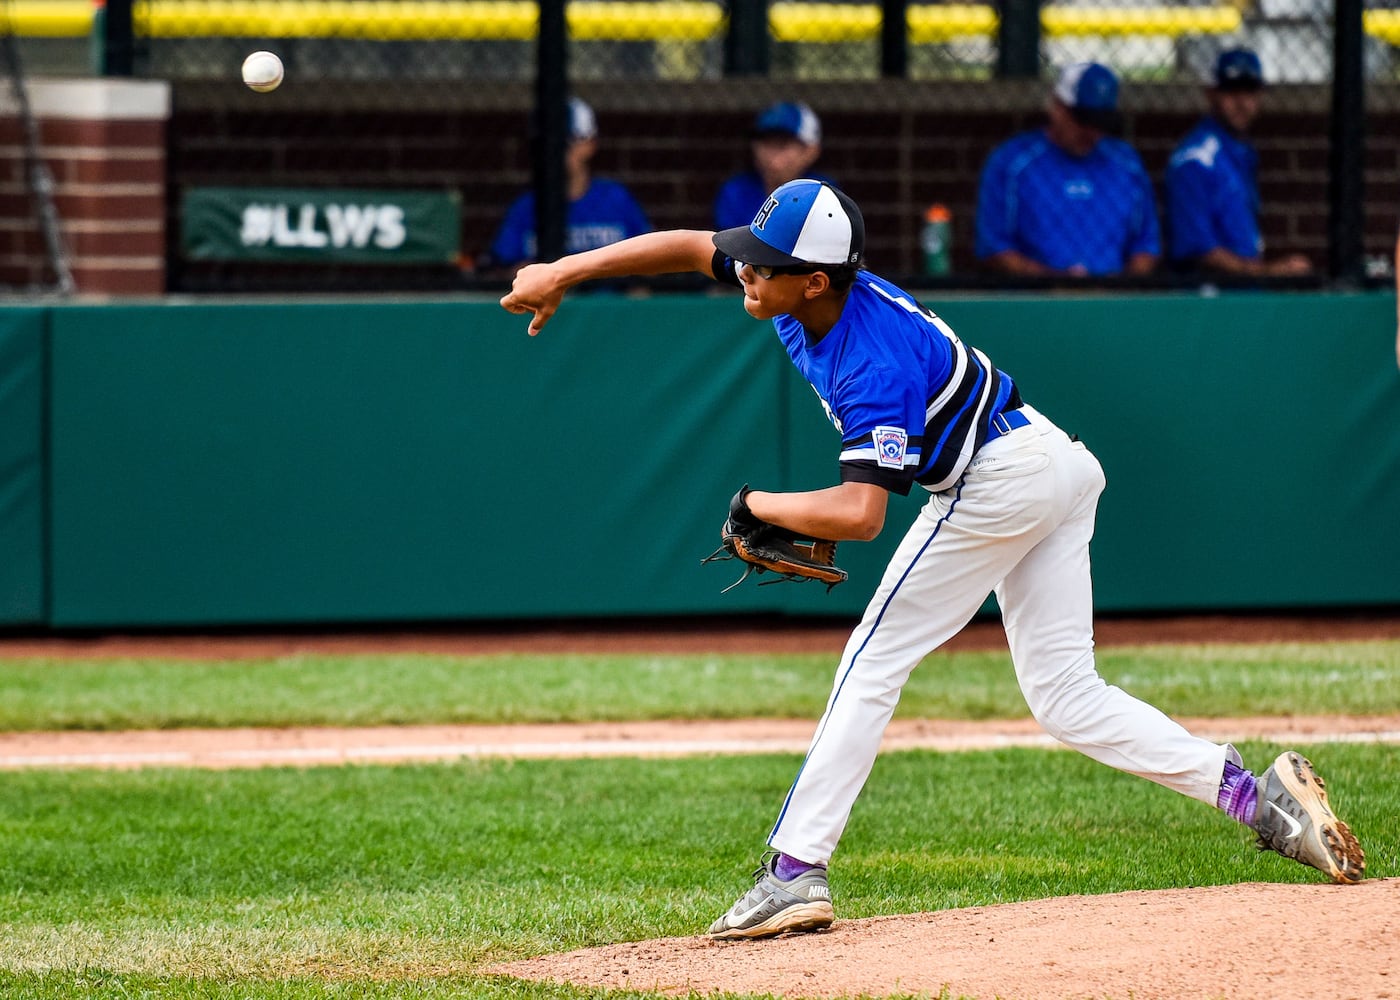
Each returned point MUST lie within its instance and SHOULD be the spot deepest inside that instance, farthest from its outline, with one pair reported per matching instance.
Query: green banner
(321, 225)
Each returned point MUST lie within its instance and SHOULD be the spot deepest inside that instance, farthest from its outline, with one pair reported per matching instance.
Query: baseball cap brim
(1243, 84)
(1103, 119)
(741, 244)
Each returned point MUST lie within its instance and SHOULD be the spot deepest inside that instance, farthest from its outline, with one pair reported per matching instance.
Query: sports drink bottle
(936, 240)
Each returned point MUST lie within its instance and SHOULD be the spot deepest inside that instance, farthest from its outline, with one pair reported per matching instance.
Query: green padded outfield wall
(21, 466)
(379, 461)
(274, 462)
(1251, 442)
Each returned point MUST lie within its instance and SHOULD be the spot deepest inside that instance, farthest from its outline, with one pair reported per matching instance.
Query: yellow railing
(933, 23)
(377, 20)
(48, 18)
(833, 22)
(398, 20)
(1171, 22)
(690, 20)
(1383, 24)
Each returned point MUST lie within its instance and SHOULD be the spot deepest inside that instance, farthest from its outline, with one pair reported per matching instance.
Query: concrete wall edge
(97, 99)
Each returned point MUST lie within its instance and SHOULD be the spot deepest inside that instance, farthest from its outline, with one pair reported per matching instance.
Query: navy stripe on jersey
(959, 411)
(913, 402)
(958, 416)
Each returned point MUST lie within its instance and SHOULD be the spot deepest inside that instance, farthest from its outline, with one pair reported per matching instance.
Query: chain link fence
(480, 40)
(913, 98)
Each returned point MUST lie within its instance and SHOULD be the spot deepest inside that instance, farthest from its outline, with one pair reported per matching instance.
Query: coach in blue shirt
(600, 211)
(1212, 188)
(1069, 199)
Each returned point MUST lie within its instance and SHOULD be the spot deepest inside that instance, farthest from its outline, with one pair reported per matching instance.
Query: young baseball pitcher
(1011, 505)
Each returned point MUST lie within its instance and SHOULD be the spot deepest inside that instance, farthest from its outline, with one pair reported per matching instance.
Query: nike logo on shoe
(737, 919)
(1294, 827)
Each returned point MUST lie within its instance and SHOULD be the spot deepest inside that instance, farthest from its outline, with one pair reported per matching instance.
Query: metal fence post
(1347, 153)
(118, 57)
(746, 46)
(1018, 40)
(551, 131)
(894, 38)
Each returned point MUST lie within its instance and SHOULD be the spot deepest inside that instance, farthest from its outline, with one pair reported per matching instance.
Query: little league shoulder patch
(890, 445)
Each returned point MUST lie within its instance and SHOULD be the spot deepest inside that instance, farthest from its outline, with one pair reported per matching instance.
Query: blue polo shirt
(1212, 194)
(1062, 210)
(607, 213)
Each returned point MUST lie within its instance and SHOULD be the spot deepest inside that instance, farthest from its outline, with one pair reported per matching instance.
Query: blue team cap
(582, 122)
(789, 118)
(1238, 69)
(803, 222)
(1090, 91)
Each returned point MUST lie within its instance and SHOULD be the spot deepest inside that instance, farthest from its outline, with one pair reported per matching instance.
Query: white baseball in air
(262, 71)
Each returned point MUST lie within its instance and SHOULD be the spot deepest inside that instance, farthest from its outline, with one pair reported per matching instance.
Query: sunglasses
(767, 272)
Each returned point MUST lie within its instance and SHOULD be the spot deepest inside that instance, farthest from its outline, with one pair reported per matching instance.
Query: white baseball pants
(1019, 524)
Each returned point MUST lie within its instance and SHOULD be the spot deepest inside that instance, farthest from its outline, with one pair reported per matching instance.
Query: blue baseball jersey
(911, 402)
(740, 198)
(1212, 194)
(1064, 211)
(607, 213)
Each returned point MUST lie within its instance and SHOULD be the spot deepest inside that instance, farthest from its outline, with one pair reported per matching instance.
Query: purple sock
(788, 868)
(1239, 793)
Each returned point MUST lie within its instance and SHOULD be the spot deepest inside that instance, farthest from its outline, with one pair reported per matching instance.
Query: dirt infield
(1240, 942)
(1243, 942)
(306, 746)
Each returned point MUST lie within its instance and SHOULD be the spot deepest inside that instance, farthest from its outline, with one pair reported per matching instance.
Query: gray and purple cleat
(1293, 818)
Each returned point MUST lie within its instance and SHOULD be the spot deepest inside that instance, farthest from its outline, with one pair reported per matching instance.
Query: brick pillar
(104, 142)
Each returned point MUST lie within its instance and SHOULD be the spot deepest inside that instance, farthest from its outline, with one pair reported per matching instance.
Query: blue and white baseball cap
(1238, 69)
(802, 222)
(789, 118)
(583, 124)
(1090, 91)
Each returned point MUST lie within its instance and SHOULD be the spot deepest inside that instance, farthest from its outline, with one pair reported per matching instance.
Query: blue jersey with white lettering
(911, 401)
(1213, 194)
(1065, 211)
(607, 213)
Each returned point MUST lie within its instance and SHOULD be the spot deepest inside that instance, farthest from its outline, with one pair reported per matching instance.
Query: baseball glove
(767, 547)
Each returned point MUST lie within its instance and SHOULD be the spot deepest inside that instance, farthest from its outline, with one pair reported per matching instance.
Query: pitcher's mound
(1239, 942)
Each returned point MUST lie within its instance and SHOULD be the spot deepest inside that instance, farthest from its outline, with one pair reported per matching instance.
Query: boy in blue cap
(1010, 509)
(1212, 188)
(785, 141)
(600, 210)
(1069, 199)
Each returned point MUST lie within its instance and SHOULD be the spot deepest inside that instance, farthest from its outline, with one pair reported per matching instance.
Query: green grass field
(404, 881)
(1361, 677)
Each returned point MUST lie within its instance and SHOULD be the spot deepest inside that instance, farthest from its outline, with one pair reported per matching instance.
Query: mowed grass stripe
(334, 690)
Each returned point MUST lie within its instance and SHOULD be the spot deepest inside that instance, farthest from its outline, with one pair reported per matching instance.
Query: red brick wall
(105, 146)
